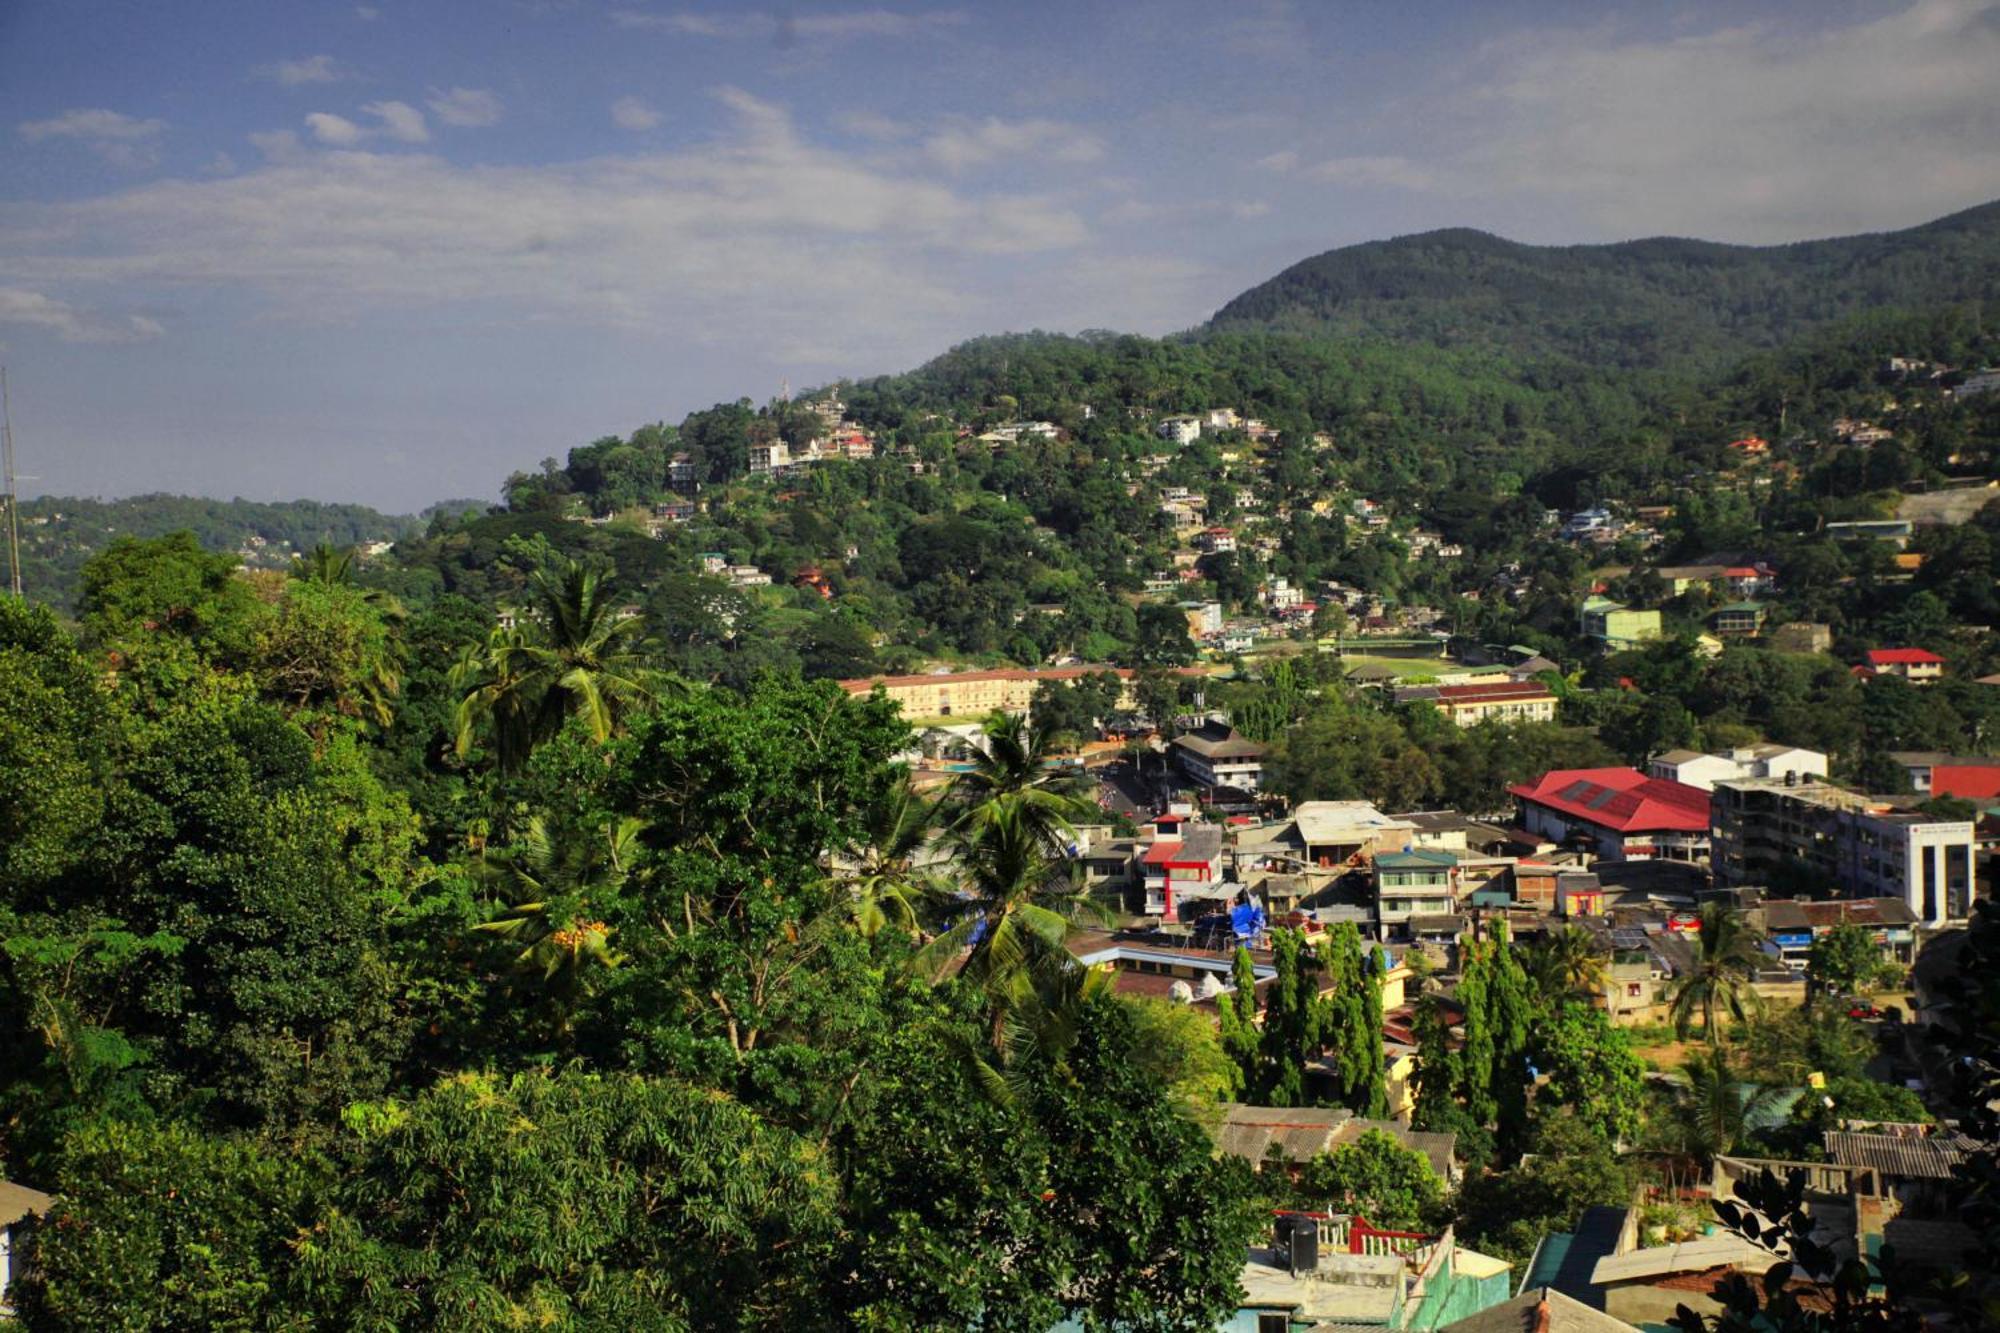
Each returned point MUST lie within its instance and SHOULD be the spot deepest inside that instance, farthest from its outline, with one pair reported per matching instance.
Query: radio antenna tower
(13, 499)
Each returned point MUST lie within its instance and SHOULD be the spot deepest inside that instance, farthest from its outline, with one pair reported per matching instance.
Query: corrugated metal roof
(1894, 1156)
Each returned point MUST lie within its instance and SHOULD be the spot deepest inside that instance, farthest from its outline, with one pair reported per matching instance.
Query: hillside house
(1620, 812)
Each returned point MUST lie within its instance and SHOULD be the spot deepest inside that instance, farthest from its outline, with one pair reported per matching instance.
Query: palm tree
(1725, 965)
(1712, 1110)
(575, 657)
(554, 889)
(880, 868)
(333, 566)
(1020, 902)
(1014, 773)
(1566, 962)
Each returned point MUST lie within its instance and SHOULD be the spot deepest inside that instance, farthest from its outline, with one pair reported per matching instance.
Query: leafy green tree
(162, 1226)
(1481, 1051)
(1353, 1010)
(1163, 637)
(137, 594)
(1567, 1167)
(1296, 1022)
(1711, 1110)
(1375, 1177)
(1845, 960)
(329, 648)
(1590, 1069)
(1439, 1074)
(571, 1199)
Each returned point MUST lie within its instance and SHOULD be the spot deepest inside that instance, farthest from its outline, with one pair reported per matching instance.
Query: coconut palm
(1719, 980)
(575, 656)
(1566, 962)
(880, 868)
(1019, 902)
(1013, 773)
(555, 889)
(1712, 1110)
(333, 566)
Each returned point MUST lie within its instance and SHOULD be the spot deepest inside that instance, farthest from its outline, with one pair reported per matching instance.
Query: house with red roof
(1620, 812)
(1919, 666)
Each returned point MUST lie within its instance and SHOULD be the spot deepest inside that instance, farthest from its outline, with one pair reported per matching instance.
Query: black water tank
(1305, 1246)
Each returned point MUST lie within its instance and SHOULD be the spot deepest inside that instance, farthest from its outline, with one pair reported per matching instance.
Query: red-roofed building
(1916, 665)
(1189, 865)
(1968, 782)
(1627, 815)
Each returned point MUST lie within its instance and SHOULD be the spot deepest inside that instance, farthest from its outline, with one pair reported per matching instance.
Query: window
(1274, 1323)
(1631, 990)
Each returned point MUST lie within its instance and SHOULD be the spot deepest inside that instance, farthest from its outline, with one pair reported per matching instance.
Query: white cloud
(1285, 159)
(296, 73)
(759, 236)
(96, 123)
(789, 28)
(629, 113)
(122, 140)
(467, 108)
(400, 121)
(1751, 132)
(973, 143)
(275, 145)
(35, 310)
(872, 125)
(1396, 172)
(338, 131)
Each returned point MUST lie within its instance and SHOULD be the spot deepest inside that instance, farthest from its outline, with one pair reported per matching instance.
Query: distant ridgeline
(1663, 303)
(59, 534)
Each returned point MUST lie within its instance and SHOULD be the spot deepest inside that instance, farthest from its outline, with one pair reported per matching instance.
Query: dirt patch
(1949, 507)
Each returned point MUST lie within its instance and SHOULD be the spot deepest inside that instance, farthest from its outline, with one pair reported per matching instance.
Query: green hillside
(1659, 303)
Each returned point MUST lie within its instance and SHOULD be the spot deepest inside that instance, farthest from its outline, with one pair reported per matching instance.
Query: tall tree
(1719, 980)
(577, 654)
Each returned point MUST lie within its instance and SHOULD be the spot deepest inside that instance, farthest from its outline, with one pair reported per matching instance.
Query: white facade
(1179, 430)
(1757, 761)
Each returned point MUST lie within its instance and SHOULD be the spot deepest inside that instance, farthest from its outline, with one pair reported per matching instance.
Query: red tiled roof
(1971, 782)
(1526, 689)
(1162, 853)
(1622, 799)
(864, 684)
(1903, 657)
(1740, 572)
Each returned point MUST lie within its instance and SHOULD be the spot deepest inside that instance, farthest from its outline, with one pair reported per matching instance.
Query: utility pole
(13, 499)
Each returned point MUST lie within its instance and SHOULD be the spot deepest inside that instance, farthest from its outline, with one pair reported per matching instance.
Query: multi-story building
(1414, 883)
(1802, 636)
(977, 693)
(1179, 430)
(1919, 666)
(1624, 814)
(1173, 870)
(1501, 701)
(1738, 620)
(1619, 626)
(1696, 769)
(1866, 846)
(1217, 755)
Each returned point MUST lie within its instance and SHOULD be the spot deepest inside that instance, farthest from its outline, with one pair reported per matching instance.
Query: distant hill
(60, 533)
(1655, 304)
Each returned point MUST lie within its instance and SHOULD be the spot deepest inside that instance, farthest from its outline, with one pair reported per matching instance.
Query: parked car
(1862, 1009)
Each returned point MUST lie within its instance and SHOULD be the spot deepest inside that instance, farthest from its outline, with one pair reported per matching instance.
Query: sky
(389, 252)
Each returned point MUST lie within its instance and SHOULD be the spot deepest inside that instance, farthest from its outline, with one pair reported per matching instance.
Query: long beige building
(977, 693)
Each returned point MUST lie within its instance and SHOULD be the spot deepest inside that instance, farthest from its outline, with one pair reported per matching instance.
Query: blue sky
(389, 252)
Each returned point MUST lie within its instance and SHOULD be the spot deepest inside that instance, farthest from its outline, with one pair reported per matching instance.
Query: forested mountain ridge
(59, 534)
(1663, 302)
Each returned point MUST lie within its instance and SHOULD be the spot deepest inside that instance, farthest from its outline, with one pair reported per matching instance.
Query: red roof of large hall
(1623, 799)
(1903, 657)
